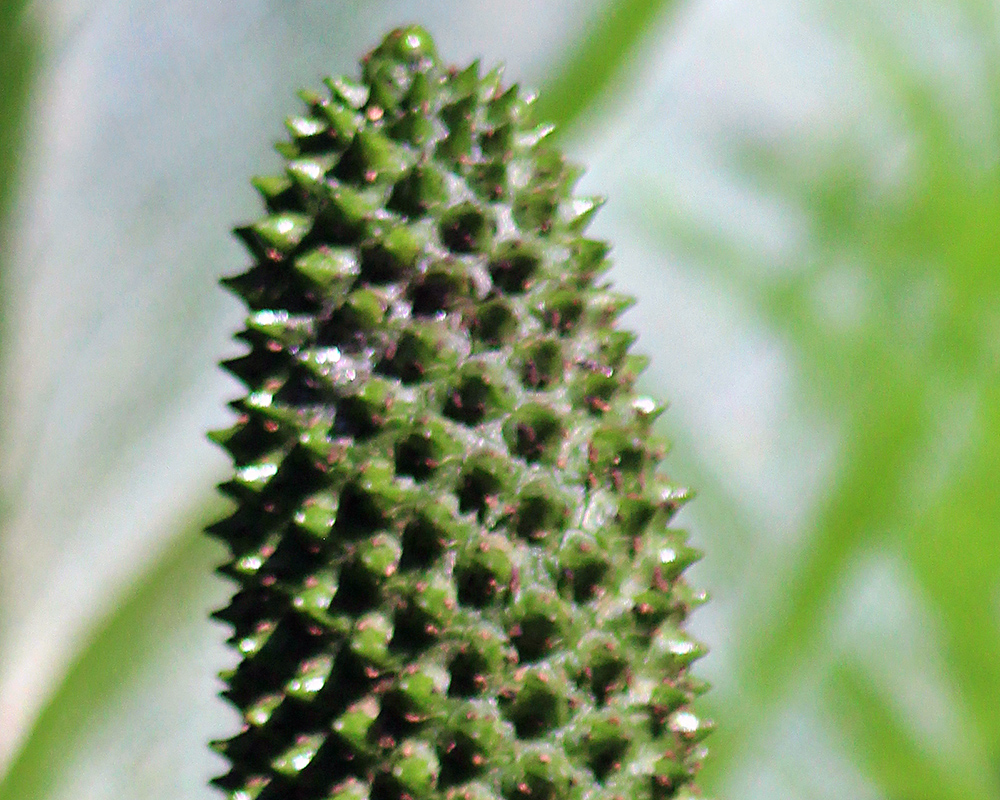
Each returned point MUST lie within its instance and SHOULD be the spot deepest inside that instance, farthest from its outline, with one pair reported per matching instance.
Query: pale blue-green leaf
(147, 123)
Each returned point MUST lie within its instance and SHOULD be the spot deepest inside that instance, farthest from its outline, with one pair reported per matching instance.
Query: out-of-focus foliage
(806, 201)
(886, 306)
(18, 43)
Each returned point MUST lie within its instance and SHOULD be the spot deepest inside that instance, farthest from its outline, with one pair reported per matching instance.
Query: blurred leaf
(885, 747)
(170, 594)
(19, 46)
(887, 306)
(864, 500)
(955, 555)
(598, 60)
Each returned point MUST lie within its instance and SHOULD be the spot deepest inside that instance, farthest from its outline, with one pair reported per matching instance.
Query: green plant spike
(456, 579)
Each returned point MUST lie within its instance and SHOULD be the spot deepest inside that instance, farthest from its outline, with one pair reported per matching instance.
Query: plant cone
(455, 576)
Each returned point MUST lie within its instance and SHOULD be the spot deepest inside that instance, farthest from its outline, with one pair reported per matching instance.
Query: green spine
(455, 576)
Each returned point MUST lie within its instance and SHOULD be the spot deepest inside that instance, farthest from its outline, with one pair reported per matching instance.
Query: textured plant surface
(455, 575)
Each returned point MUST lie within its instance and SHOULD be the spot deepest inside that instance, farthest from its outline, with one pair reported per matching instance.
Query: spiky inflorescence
(456, 579)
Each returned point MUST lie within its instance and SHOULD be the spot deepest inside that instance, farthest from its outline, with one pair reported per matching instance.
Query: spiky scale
(456, 579)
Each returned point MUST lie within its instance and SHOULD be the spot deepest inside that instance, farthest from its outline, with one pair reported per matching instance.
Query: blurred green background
(804, 197)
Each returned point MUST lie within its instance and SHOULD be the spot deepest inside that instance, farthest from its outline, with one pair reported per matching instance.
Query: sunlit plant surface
(804, 198)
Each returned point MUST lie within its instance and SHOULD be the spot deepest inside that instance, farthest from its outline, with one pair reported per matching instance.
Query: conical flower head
(455, 575)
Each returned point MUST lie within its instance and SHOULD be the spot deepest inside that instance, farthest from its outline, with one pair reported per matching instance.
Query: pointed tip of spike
(220, 746)
(409, 44)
